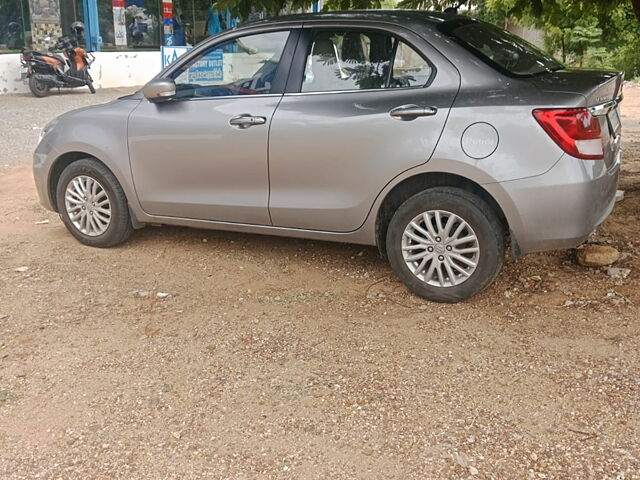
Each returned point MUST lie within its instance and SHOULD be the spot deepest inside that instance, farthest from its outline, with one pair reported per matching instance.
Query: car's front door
(364, 107)
(203, 154)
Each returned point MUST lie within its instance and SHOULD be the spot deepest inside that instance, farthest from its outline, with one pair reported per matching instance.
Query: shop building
(125, 34)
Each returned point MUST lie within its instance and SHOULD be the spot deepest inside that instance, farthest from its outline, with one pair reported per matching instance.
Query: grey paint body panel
(209, 170)
(334, 157)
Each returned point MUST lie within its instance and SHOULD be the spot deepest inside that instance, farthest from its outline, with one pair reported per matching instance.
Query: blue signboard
(209, 69)
(171, 54)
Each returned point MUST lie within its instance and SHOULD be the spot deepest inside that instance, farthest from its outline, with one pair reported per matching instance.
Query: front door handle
(409, 112)
(246, 120)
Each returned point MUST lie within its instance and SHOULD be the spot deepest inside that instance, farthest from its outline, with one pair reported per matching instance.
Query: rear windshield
(503, 50)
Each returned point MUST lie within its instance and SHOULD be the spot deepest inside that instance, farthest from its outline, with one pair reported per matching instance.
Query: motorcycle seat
(57, 56)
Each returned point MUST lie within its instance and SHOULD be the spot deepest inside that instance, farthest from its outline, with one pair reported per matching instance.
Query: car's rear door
(203, 154)
(363, 104)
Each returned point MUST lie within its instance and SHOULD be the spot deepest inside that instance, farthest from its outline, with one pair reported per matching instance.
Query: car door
(203, 153)
(362, 106)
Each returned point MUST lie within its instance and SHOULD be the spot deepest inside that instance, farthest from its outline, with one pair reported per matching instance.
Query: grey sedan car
(439, 138)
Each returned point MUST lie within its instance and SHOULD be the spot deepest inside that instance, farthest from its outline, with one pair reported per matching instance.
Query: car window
(409, 68)
(499, 48)
(243, 66)
(348, 61)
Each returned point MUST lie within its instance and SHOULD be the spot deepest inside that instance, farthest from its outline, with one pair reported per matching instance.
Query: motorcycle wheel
(39, 89)
(92, 89)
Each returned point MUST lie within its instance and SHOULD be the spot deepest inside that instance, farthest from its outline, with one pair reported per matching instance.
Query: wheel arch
(58, 166)
(422, 181)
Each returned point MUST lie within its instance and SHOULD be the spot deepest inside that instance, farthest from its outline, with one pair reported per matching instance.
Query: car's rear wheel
(445, 244)
(92, 204)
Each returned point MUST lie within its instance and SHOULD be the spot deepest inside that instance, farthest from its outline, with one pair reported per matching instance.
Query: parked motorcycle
(51, 70)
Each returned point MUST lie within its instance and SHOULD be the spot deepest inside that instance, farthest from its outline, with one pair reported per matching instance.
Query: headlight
(47, 128)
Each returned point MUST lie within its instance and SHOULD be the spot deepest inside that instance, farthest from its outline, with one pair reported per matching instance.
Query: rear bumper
(560, 208)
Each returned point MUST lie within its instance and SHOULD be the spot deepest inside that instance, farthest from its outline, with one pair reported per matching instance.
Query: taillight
(575, 130)
(26, 57)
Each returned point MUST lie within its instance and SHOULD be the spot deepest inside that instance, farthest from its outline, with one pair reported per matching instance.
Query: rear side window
(409, 68)
(501, 49)
(353, 60)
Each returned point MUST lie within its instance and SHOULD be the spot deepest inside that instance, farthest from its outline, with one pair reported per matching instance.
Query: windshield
(499, 48)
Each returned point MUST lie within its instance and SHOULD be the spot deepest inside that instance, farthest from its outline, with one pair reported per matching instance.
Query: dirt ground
(281, 358)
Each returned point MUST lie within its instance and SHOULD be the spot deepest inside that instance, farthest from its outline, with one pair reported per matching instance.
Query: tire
(84, 172)
(39, 89)
(471, 218)
(92, 89)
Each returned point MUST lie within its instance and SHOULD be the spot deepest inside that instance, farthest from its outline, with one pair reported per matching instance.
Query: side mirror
(159, 90)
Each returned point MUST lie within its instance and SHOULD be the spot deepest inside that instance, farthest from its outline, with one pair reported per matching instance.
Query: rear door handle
(409, 112)
(246, 120)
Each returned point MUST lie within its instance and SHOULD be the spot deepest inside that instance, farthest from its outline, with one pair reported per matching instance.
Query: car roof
(398, 16)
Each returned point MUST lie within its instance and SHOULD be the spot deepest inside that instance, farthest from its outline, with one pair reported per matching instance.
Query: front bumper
(560, 208)
(42, 160)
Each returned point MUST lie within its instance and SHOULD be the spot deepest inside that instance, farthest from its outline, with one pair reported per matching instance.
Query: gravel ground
(280, 358)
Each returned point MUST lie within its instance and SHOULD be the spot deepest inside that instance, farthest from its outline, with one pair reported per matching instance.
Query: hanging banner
(167, 22)
(119, 23)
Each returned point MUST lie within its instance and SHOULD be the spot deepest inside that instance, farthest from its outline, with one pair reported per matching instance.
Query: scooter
(52, 70)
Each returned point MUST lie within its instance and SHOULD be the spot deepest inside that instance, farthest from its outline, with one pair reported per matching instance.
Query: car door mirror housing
(159, 90)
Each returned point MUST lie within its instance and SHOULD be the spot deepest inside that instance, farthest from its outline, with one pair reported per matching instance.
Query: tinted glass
(348, 61)
(500, 48)
(244, 66)
(409, 68)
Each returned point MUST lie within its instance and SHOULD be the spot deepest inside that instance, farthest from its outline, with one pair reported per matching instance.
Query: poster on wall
(119, 23)
(44, 11)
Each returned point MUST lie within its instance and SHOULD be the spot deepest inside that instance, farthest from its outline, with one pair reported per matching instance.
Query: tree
(514, 8)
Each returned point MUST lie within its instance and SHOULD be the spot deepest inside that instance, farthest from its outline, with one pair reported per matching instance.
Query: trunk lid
(596, 86)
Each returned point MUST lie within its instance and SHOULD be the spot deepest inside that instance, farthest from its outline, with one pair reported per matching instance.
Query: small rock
(619, 195)
(567, 303)
(596, 255)
(42, 222)
(473, 470)
(461, 459)
(204, 240)
(140, 293)
(21, 269)
(162, 295)
(615, 272)
(3, 316)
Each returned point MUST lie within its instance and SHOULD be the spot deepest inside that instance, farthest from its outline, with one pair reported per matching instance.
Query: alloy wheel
(88, 205)
(440, 248)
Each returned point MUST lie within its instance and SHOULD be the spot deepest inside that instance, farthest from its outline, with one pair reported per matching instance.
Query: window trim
(282, 71)
(305, 42)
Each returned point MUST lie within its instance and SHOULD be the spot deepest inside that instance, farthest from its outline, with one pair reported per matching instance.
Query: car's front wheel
(92, 204)
(445, 244)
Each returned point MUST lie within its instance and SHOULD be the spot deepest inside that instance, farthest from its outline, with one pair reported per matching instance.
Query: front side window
(340, 61)
(243, 66)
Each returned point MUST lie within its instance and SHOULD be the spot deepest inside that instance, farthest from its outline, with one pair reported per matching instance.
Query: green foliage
(587, 33)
